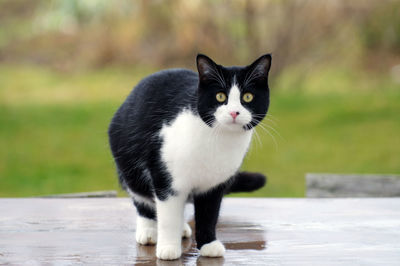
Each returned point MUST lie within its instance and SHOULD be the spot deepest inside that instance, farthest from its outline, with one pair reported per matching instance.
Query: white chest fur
(200, 157)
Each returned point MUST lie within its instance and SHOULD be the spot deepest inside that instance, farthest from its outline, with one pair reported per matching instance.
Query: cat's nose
(234, 114)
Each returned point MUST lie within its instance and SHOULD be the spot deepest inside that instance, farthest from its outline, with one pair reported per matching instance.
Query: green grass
(55, 149)
(356, 133)
(53, 133)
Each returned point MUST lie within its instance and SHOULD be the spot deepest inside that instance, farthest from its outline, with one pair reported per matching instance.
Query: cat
(181, 136)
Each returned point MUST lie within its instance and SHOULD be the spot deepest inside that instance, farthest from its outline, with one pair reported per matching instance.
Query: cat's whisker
(258, 138)
(272, 121)
(263, 119)
(260, 120)
(266, 116)
(273, 129)
(272, 136)
(209, 120)
(262, 126)
(273, 117)
(215, 138)
(263, 123)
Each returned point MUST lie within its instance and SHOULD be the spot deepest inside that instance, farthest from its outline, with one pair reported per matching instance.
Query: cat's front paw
(187, 231)
(169, 252)
(146, 236)
(213, 249)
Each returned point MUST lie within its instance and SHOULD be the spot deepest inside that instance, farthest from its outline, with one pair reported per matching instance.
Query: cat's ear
(205, 66)
(260, 67)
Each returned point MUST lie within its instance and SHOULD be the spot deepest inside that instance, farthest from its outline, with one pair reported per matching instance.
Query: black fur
(157, 100)
(209, 86)
(246, 182)
(206, 210)
(133, 132)
(144, 210)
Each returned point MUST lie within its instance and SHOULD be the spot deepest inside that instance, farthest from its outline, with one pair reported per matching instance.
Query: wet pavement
(254, 232)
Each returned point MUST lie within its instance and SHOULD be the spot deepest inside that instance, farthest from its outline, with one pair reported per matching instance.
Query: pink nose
(234, 114)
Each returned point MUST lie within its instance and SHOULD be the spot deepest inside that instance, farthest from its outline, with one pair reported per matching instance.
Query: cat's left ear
(260, 67)
(206, 67)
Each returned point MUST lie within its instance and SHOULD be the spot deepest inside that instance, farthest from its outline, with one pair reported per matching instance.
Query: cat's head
(234, 98)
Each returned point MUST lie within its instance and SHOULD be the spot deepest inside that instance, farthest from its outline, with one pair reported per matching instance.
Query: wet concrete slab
(254, 231)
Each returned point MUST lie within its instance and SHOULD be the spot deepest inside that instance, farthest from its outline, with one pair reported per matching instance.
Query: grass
(53, 132)
(328, 133)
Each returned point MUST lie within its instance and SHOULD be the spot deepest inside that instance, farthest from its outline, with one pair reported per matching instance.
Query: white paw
(187, 231)
(213, 249)
(146, 236)
(169, 252)
(146, 231)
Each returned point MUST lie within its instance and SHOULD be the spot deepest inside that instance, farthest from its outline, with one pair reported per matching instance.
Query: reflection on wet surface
(256, 245)
(254, 232)
(146, 254)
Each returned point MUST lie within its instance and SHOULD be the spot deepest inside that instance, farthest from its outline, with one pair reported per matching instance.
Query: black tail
(246, 182)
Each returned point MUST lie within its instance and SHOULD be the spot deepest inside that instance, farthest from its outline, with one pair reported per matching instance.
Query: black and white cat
(182, 136)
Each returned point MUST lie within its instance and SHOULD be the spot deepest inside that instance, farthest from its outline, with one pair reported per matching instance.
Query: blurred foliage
(383, 30)
(73, 34)
(66, 65)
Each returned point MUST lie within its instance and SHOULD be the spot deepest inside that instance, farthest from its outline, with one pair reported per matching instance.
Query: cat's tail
(246, 182)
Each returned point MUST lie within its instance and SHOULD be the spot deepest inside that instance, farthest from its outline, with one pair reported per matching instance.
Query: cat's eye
(221, 97)
(248, 97)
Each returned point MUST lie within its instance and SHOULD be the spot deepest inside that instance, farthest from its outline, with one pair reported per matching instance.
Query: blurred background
(66, 66)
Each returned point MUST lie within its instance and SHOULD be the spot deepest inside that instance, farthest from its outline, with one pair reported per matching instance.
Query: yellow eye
(221, 97)
(248, 97)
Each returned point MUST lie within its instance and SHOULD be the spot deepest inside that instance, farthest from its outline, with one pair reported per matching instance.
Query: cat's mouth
(233, 125)
(235, 120)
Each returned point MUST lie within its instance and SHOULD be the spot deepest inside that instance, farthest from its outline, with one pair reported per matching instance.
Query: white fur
(140, 198)
(146, 231)
(170, 227)
(187, 231)
(223, 116)
(199, 157)
(213, 249)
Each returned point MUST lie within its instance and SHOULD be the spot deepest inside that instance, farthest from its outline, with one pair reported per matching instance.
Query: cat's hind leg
(187, 231)
(146, 223)
(137, 182)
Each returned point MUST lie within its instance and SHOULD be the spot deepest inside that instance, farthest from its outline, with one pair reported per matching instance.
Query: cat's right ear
(205, 66)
